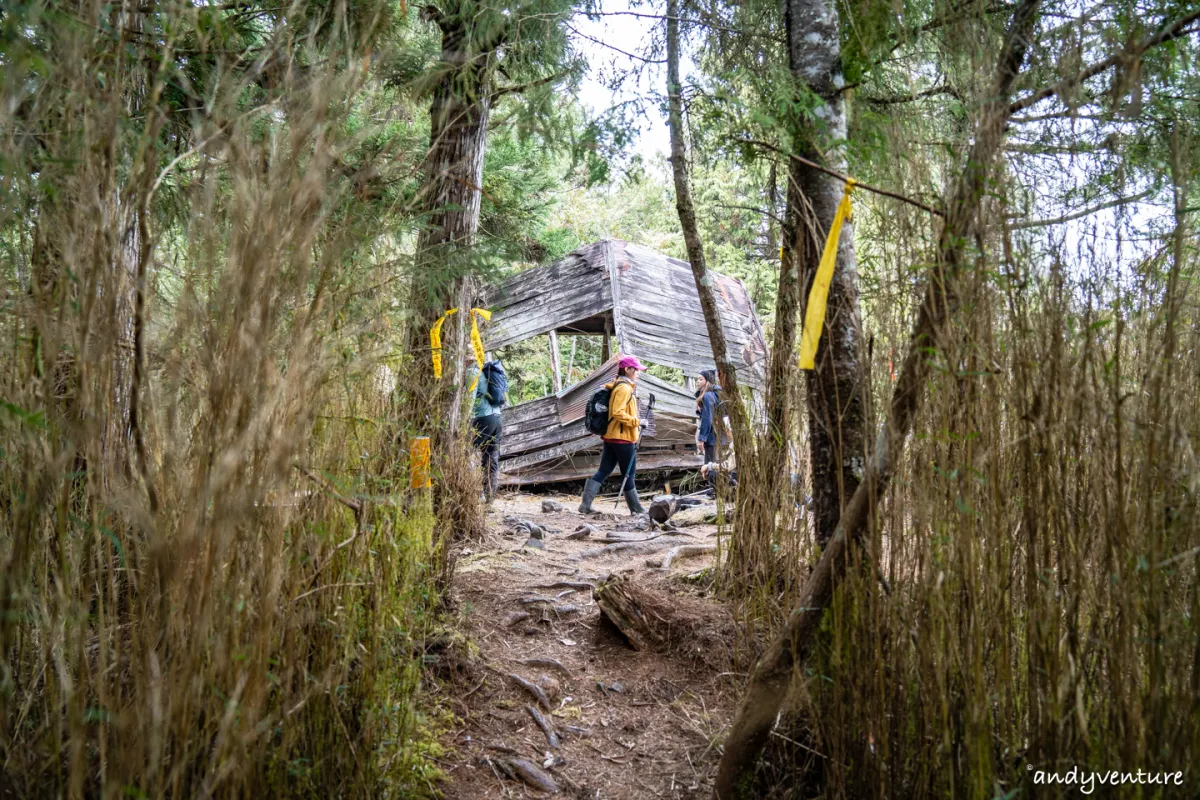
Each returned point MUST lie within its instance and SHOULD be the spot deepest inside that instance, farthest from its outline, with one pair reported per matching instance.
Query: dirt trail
(632, 724)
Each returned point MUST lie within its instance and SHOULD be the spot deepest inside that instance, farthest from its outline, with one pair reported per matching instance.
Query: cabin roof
(648, 301)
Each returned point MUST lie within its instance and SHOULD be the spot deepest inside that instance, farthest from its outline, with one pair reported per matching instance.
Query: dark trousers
(711, 456)
(614, 455)
(487, 441)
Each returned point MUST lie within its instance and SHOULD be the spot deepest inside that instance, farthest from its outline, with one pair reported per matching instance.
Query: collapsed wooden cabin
(642, 303)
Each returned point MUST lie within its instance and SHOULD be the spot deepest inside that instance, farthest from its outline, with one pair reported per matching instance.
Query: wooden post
(554, 362)
(606, 351)
(418, 462)
(571, 360)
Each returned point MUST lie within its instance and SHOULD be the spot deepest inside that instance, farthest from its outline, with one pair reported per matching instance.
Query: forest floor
(632, 724)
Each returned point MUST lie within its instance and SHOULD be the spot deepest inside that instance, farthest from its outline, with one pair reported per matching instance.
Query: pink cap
(629, 361)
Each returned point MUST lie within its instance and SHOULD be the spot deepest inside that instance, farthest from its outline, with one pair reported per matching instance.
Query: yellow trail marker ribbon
(435, 338)
(814, 316)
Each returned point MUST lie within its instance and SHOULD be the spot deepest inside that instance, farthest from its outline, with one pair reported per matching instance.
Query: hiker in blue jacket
(490, 388)
(707, 408)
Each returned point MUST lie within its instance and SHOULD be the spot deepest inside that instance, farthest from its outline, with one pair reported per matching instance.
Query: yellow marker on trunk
(435, 338)
(814, 316)
(418, 462)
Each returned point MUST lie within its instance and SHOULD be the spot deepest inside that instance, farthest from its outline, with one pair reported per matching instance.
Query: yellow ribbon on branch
(814, 316)
(435, 338)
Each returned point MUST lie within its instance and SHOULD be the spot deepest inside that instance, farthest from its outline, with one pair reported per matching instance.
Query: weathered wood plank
(550, 453)
(573, 264)
(546, 314)
(610, 258)
(582, 465)
(514, 416)
(523, 440)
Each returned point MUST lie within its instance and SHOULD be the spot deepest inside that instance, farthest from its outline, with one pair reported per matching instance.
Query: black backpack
(595, 416)
(497, 384)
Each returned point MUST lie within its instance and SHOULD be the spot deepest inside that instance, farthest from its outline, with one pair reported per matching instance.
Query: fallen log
(639, 615)
(631, 545)
(627, 540)
(525, 771)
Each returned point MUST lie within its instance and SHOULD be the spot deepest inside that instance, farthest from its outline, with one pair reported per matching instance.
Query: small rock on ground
(551, 507)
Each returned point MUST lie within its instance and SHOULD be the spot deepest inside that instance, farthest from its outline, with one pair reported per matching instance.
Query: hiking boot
(590, 489)
(631, 500)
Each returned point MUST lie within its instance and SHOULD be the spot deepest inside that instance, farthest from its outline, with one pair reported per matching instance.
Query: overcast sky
(620, 31)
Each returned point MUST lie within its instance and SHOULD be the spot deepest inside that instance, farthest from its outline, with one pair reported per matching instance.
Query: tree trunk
(449, 200)
(452, 189)
(743, 442)
(773, 674)
(773, 207)
(835, 403)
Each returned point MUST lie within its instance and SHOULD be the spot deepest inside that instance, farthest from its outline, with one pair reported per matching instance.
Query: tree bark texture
(738, 416)
(774, 672)
(449, 200)
(451, 191)
(835, 402)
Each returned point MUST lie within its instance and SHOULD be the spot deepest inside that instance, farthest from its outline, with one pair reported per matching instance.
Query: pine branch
(603, 43)
(909, 98)
(518, 88)
(1167, 32)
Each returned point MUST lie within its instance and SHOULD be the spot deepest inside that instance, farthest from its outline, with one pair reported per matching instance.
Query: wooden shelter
(643, 303)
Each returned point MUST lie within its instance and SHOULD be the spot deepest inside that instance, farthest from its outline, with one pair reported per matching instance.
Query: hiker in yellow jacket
(621, 438)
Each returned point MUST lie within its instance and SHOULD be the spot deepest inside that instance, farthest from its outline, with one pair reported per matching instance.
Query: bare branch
(1074, 215)
(868, 187)
(603, 43)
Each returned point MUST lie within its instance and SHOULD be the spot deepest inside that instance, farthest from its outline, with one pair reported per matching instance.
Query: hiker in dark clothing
(485, 418)
(707, 436)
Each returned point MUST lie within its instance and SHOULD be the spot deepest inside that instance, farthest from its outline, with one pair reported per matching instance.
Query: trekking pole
(621, 493)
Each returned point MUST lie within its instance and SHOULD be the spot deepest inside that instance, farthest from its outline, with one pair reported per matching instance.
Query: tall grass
(212, 582)
(1040, 546)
